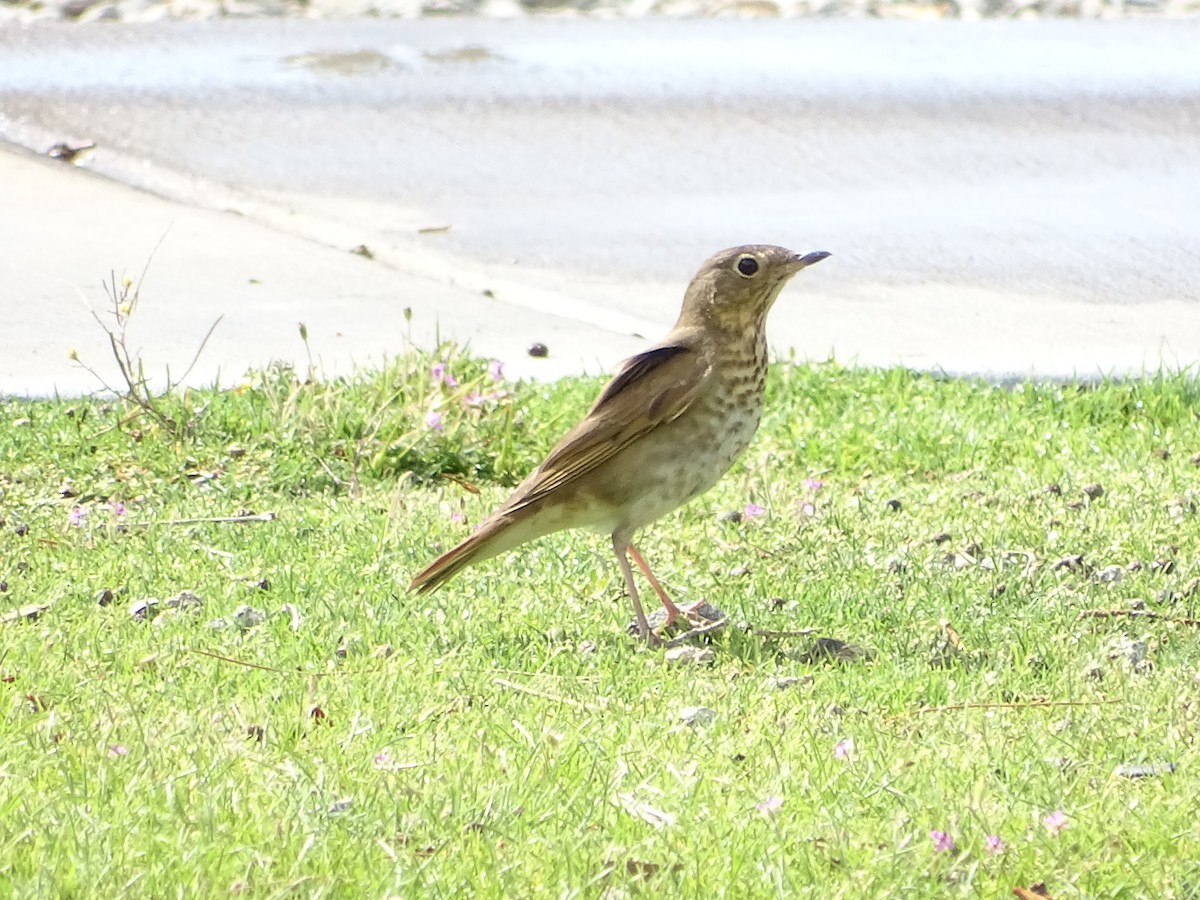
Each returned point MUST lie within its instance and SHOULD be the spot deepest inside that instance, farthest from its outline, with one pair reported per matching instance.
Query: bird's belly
(673, 464)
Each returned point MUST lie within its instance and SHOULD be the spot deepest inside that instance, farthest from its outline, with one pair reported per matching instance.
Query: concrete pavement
(1000, 198)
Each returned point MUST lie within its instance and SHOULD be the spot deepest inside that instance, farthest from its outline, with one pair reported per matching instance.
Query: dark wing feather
(651, 389)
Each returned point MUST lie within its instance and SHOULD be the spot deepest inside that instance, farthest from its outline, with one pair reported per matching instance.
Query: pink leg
(644, 631)
(673, 611)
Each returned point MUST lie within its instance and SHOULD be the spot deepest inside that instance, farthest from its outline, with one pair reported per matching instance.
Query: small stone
(1178, 507)
(739, 571)
(1109, 575)
(732, 515)
(585, 647)
(1161, 453)
(1093, 491)
(1052, 489)
(1196, 459)
(1094, 671)
(688, 655)
(893, 505)
(235, 451)
(247, 617)
(782, 683)
(1136, 604)
(184, 600)
(140, 609)
(829, 649)
(1131, 651)
(697, 715)
(383, 651)
(105, 597)
(1072, 563)
(1152, 770)
(940, 538)
(538, 350)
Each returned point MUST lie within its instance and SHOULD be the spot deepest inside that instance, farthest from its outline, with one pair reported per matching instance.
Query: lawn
(962, 655)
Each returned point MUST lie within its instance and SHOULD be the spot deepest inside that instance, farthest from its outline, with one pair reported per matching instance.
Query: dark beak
(803, 262)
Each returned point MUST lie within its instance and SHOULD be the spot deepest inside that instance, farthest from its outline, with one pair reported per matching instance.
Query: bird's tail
(493, 537)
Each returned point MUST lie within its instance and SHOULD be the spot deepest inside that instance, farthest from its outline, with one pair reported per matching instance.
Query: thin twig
(203, 343)
(1135, 614)
(1023, 704)
(250, 665)
(795, 632)
(698, 631)
(312, 676)
(534, 692)
(213, 520)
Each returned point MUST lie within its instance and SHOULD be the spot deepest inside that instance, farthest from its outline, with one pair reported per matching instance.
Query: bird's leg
(673, 611)
(644, 631)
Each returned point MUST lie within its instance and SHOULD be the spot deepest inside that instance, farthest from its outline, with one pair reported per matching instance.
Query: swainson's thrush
(663, 431)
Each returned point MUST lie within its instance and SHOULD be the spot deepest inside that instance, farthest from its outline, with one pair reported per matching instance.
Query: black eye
(748, 266)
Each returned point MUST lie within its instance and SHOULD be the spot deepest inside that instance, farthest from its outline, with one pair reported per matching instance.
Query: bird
(663, 431)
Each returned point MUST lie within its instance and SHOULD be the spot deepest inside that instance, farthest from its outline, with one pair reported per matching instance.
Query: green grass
(505, 738)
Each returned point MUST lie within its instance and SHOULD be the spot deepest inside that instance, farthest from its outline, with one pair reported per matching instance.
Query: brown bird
(663, 431)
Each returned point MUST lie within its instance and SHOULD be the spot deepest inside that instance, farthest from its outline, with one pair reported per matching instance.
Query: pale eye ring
(747, 266)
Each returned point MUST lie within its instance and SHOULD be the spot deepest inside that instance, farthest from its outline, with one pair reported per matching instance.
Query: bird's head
(735, 288)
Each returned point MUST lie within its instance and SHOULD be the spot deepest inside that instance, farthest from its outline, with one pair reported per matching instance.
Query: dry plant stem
(212, 520)
(534, 692)
(1026, 704)
(1135, 614)
(795, 632)
(124, 299)
(707, 628)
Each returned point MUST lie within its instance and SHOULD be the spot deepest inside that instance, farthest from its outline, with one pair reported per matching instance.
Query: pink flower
(474, 399)
(118, 508)
(994, 844)
(941, 841)
(812, 485)
(77, 516)
(844, 748)
(754, 511)
(770, 806)
(440, 376)
(457, 517)
(496, 370)
(1055, 821)
(434, 421)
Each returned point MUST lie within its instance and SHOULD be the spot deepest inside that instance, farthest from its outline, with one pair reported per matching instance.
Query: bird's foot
(698, 619)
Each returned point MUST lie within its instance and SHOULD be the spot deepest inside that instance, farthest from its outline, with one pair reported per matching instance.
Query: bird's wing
(651, 389)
